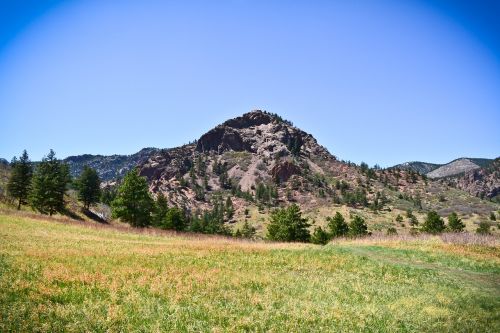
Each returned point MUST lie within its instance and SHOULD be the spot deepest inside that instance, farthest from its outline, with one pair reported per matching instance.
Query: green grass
(67, 277)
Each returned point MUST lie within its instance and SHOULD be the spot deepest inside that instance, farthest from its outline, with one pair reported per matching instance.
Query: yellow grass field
(80, 277)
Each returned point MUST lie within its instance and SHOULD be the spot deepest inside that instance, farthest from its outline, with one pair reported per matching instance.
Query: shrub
(391, 231)
(483, 228)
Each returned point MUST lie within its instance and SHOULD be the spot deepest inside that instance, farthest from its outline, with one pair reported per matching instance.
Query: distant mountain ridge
(456, 167)
(108, 167)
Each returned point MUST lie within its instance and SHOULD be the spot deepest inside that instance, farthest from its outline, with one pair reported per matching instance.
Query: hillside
(109, 167)
(75, 276)
(456, 167)
(261, 161)
(422, 168)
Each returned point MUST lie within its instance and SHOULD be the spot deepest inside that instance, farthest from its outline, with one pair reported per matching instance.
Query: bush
(391, 231)
(483, 228)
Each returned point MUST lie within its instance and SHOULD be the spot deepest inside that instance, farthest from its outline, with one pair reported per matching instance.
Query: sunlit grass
(56, 276)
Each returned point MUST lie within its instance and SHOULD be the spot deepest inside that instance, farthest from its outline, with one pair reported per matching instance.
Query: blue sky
(382, 81)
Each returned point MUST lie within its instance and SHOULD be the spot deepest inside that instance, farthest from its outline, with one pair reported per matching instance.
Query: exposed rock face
(283, 171)
(484, 182)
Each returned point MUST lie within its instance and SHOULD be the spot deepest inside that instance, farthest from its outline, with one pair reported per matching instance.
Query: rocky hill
(456, 167)
(262, 161)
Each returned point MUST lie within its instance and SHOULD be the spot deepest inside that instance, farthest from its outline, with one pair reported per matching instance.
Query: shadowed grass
(64, 277)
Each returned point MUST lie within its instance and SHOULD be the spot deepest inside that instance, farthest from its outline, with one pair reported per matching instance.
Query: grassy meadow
(76, 276)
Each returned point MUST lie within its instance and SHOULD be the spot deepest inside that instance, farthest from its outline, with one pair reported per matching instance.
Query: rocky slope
(453, 168)
(481, 182)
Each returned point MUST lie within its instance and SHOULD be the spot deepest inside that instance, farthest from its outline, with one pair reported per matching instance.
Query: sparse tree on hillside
(337, 225)
(493, 217)
(89, 187)
(49, 185)
(19, 184)
(133, 204)
(358, 227)
(455, 224)
(288, 225)
(399, 218)
(433, 224)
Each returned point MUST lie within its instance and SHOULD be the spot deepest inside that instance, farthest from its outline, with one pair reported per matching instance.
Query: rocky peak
(258, 132)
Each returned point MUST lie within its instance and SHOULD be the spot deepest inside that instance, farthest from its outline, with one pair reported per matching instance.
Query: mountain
(262, 161)
(457, 167)
(420, 167)
(110, 167)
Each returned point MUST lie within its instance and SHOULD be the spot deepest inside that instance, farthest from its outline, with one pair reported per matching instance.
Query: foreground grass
(65, 277)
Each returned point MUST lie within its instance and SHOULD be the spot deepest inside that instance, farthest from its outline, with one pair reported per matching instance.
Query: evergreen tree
(174, 220)
(49, 185)
(455, 224)
(89, 187)
(433, 224)
(229, 208)
(288, 225)
(133, 204)
(320, 236)
(484, 228)
(248, 231)
(358, 227)
(493, 217)
(19, 184)
(399, 218)
(160, 211)
(337, 225)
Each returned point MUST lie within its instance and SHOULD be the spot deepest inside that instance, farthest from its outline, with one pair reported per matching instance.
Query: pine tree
(288, 225)
(229, 208)
(337, 225)
(433, 224)
(133, 204)
(455, 224)
(174, 220)
(357, 227)
(49, 185)
(320, 236)
(19, 184)
(248, 231)
(89, 187)
(160, 211)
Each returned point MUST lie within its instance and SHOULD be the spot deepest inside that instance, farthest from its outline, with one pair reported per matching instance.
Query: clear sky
(383, 81)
